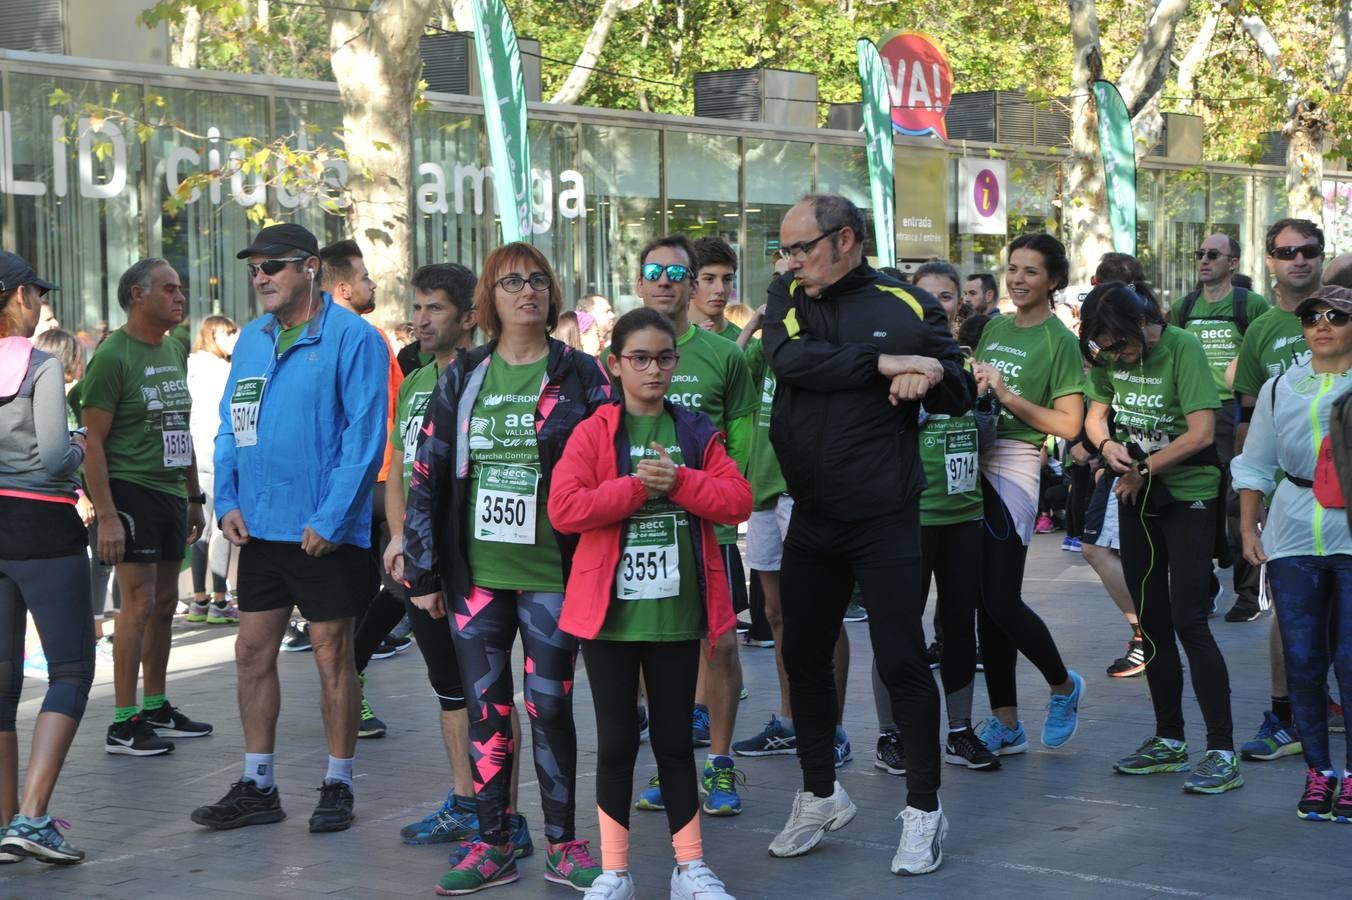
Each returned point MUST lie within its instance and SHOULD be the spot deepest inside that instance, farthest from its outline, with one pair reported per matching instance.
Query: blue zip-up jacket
(321, 429)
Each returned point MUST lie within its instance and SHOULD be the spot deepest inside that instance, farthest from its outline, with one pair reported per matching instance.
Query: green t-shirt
(287, 339)
(656, 596)
(1151, 402)
(1214, 325)
(1273, 344)
(948, 453)
(767, 481)
(512, 544)
(410, 406)
(145, 387)
(1040, 364)
(730, 331)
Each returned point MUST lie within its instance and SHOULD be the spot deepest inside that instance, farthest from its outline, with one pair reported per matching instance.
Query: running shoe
(222, 614)
(169, 722)
(483, 866)
(697, 882)
(763, 643)
(1154, 757)
(41, 839)
(135, 738)
(1215, 774)
(775, 739)
(9, 856)
(297, 639)
(855, 612)
(964, 748)
(570, 863)
(1274, 740)
(642, 724)
(518, 835)
(650, 798)
(744, 692)
(457, 819)
(1342, 807)
(1130, 663)
(334, 811)
(1000, 740)
(370, 725)
(1337, 724)
(197, 612)
(1071, 543)
(1063, 715)
(1244, 610)
(841, 745)
(921, 849)
(244, 804)
(934, 654)
(1044, 525)
(719, 786)
(611, 886)
(699, 726)
(35, 665)
(889, 756)
(390, 646)
(1316, 804)
(809, 820)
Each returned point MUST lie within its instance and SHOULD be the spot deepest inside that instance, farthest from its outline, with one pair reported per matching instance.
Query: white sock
(1228, 754)
(1172, 744)
(339, 770)
(258, 769)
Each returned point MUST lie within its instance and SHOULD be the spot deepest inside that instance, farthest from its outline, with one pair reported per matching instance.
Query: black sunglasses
(272, 266)
(1210, 255)
(1286, 254)
(1334, 317)
(801, 249)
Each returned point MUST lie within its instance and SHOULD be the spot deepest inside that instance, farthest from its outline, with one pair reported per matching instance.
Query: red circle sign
(985, 193)
(919, 80)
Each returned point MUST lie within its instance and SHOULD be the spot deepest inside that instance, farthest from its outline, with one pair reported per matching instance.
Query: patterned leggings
(484, 626)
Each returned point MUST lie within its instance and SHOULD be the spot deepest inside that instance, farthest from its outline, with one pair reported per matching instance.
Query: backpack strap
(1185, 308)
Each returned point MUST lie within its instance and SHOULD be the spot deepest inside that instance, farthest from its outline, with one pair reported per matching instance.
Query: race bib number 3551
(650, 564)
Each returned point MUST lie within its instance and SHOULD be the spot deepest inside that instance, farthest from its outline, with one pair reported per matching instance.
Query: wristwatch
(199, 499)
(1143, 469)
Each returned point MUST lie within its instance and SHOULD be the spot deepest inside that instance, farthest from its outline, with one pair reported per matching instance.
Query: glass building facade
(84, 199)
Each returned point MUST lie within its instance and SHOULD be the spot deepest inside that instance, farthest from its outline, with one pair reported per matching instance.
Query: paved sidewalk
(1049, 824)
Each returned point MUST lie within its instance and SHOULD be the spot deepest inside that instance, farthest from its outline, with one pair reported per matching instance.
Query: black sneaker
(244, 804)
(934, 654)
(1130, 663)
(964, 748)
(855, 613)
(370, 725)
(889, 756)
(169, 722)
(1244, 610)
(135, 738)
(390, 646)
(334, 812)
(297, 637)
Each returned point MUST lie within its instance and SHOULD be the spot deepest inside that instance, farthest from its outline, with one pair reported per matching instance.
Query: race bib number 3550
(506, 507)
(650, 564)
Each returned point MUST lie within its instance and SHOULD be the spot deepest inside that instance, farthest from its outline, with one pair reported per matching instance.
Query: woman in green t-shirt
(1156, 379)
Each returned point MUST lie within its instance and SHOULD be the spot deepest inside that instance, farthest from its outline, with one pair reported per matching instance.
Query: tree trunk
(1193, 59)
(577, 79)
(376, 64)
(461, 14)
(187, 40)
(1084, 216)
(1305, 166)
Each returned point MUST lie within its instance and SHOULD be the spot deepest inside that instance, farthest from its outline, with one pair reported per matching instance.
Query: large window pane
(843, 169)
(559, 214)
(453, 205)
(623, 211)
(1184, 229)
(777, 174)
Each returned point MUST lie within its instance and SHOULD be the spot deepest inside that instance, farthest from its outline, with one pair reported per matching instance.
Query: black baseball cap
(281, 240)
(15, 271)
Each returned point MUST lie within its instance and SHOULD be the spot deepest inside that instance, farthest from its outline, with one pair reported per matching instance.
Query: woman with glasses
(1305, 540)
(1030, 363)
(479, 546)
(1156, 379)
(643, 482)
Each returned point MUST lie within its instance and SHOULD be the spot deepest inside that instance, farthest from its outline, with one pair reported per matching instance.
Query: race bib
(244, 406)
(1151, 440)
(650, 563)
(960, 461)
(417, 408)
(177, 440)
(506, 507)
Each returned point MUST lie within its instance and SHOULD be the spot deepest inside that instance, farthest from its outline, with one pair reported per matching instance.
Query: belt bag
(1328, 491)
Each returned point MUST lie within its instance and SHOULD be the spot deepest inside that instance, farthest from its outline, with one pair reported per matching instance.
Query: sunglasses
(271, 267)
(1334, 317)
(1210, 255)
(514, 284)
(641, 361)
(1286, 254)
(675, 274)
(801, 249)
(1096, 349)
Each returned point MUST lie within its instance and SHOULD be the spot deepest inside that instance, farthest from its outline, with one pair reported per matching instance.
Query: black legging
(1170, 554)
(1006, 624)
(433, 637)
(952, 555)
(669, 672)
(56, 592)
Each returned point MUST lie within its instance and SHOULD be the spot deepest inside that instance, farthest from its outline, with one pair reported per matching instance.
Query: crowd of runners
(873, 432)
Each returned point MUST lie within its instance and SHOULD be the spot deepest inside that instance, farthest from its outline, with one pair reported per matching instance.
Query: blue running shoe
(457, 819)
(41, 839)
(719, 786)
(650, 798)
(518, 833)
(1063, 715)
(775, 739)
(1000, 740)
(1274, 739)
(842, 747)
(699, 726)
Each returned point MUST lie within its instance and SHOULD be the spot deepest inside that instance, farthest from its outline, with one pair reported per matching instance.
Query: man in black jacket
(854, 353)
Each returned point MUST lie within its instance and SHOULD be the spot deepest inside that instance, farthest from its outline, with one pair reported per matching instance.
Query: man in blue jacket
(303, 423)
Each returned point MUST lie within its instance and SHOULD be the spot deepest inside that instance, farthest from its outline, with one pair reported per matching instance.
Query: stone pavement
(1050, 823)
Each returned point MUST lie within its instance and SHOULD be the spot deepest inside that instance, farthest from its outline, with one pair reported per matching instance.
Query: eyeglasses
(1334, 317)
(1116, 347)
(1210, 255)
(801, 249)
(1286, 254)
(675, 273)
(271, 267)
(641, 361)
(513, 284)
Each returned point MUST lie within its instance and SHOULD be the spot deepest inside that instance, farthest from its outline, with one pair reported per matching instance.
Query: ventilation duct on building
(449, 66)
(772, 96)
(1006, 117)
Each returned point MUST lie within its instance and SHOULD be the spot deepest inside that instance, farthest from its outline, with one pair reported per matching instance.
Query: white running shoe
(922, 842)
(810, 818)
(609, 886)
(697, 882)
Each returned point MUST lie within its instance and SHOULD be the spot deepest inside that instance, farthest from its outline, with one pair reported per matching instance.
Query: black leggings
(1006, 624)
(1170, 555)
(56, 592)
(952, 555)
(669, 672)
(433, 637)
